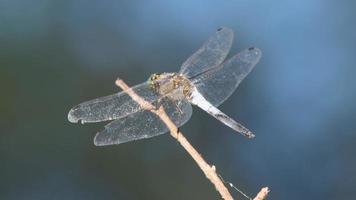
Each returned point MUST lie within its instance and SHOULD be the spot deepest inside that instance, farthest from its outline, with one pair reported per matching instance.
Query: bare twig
(262, 194)
(209, 171)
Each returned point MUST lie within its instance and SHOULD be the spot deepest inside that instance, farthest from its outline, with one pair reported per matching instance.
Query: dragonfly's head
(153, 81)
(153, 77)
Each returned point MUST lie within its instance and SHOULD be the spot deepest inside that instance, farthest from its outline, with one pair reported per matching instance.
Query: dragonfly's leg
(178, 132)
(178, 108)
(157, 105)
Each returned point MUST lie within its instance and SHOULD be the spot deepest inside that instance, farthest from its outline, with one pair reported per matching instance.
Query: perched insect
(204, 80)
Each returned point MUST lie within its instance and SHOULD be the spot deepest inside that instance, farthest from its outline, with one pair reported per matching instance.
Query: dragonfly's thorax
(172, 85)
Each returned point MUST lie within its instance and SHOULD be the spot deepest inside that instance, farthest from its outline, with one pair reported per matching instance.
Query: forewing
(212, 53)
(217, 84)
(143, 124)
(111, 107)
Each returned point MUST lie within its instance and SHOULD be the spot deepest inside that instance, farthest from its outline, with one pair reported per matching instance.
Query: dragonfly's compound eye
(153, 77)
(153, 81)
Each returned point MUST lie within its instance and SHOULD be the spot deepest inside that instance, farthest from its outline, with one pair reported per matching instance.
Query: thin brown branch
(209, 171)
(262, 194)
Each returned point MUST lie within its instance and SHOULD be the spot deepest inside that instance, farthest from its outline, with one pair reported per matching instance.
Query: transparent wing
(217, 84)
(111, 107)
(143, 124)
(212, 53)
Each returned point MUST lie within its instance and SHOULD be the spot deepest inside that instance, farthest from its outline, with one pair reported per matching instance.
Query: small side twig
(262, 194)
(209, 171)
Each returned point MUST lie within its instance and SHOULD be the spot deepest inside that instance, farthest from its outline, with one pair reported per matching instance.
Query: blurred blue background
(299, 100)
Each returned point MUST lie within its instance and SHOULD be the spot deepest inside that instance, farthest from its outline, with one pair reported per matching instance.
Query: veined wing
(143, 124)
(212, 53)
(217, 84)
(111, 107)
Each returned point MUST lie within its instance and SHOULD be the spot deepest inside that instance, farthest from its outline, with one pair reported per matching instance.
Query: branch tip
(262, 194)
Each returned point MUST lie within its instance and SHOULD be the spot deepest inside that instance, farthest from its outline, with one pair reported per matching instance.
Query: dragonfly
(205, 80)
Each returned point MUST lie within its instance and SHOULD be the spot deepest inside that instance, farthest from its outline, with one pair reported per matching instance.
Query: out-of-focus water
(299, 100)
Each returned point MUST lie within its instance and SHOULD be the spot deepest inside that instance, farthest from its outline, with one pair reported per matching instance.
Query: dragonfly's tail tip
(250, 135)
